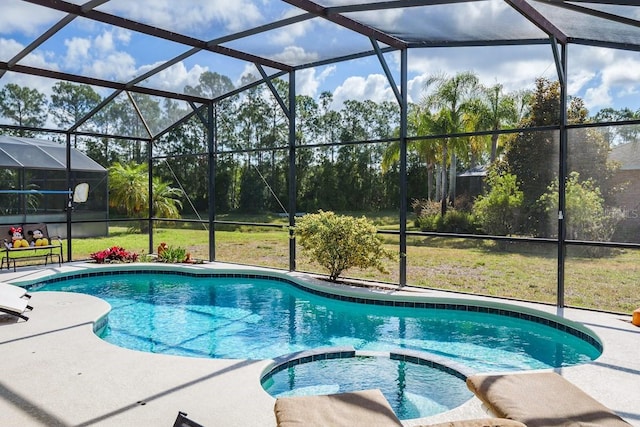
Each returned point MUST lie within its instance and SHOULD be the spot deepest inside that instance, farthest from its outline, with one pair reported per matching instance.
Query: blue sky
(601, 77)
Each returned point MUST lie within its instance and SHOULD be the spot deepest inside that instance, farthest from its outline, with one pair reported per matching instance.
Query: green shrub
(587, 217)
(172, 254)
(454, 221)
(339, 242)
(499, 210)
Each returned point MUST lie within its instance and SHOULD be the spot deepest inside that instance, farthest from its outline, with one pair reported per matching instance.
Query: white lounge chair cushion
(7, 289)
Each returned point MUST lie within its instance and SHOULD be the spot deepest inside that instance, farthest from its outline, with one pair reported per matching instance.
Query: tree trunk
(430, 181)
(494, 147)
(453, 170)
(444, 186)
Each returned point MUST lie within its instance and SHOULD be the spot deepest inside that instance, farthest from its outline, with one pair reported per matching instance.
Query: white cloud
(24, 18)
(308, 82)
(117, 65)
(77, 51)
(622, 72)
(174, 78)
(603, 76)
(597, 97)
(374, 87)
(295, 54)
(195, 16)
(579, 80)
(99, 56)
(104, 42)
(289, 34)
(9, 48)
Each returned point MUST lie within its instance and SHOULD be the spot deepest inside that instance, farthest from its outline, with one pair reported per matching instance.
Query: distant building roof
(475, 171)
(628, 155)
(31, 153)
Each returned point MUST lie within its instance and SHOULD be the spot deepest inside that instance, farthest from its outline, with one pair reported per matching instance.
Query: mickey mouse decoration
(38, 238)
(17, 240)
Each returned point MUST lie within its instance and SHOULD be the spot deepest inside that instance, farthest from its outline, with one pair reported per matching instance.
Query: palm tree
(165, 200)
(129, 188)
(451, 99)
(129, 192)
(494, 111)
(426, 149)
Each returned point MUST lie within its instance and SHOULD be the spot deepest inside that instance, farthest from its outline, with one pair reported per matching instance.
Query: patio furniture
(8, 289)
(356, 409)
(183, 421)
(14, 305)
(479, 422)
(541, 399)
(365, 408)
(48, 252)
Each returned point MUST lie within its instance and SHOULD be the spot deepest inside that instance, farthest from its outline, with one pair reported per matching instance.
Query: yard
(474, 266)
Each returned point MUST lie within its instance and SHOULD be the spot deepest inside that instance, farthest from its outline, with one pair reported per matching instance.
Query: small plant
(145, 258)
(171, 254)
(339, 242)
(114, 254)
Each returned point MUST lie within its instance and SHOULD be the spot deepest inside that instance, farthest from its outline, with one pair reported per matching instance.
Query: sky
(603, 78)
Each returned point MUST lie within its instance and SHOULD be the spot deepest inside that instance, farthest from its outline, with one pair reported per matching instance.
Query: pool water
(245, 318)
(413, 390)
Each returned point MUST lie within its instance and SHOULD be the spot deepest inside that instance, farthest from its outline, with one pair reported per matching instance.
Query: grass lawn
(473, 266)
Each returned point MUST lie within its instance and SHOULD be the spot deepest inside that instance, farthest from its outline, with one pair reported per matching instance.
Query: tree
(165, 199)
(71, 102)
(128, 184)
(451, 101)
(533, 156)
(210, 85)
(23, 106)
(129, 192)
(340, 242)
(495, 110)
(587, 215)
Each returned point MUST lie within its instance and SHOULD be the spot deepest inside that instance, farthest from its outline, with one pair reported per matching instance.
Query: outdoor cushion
(541, 399)
(479, 422)
(365, 408)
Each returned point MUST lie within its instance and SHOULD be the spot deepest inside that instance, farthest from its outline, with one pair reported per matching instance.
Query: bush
(587, 218)
(339, 242)
(114, 254)
(499, 210)
(454, 221)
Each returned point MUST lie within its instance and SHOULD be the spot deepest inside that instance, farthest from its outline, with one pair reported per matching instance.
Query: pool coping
(124, 387)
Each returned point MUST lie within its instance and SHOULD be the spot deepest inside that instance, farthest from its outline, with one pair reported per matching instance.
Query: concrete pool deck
(57, 372)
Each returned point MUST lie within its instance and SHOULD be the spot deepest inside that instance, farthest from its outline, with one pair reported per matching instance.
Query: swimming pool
(250, 316)
(413, 386)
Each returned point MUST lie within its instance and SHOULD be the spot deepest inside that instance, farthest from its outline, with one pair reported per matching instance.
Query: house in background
(471, 183)
(34, 188)
(628, 177)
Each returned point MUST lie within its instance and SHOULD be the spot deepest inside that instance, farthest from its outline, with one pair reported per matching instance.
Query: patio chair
(183, 421)
(14, 305)
(356, 409)
(8, 289)
(541, 399)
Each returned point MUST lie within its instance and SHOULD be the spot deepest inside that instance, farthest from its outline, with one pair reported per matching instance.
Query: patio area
(57, 372)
